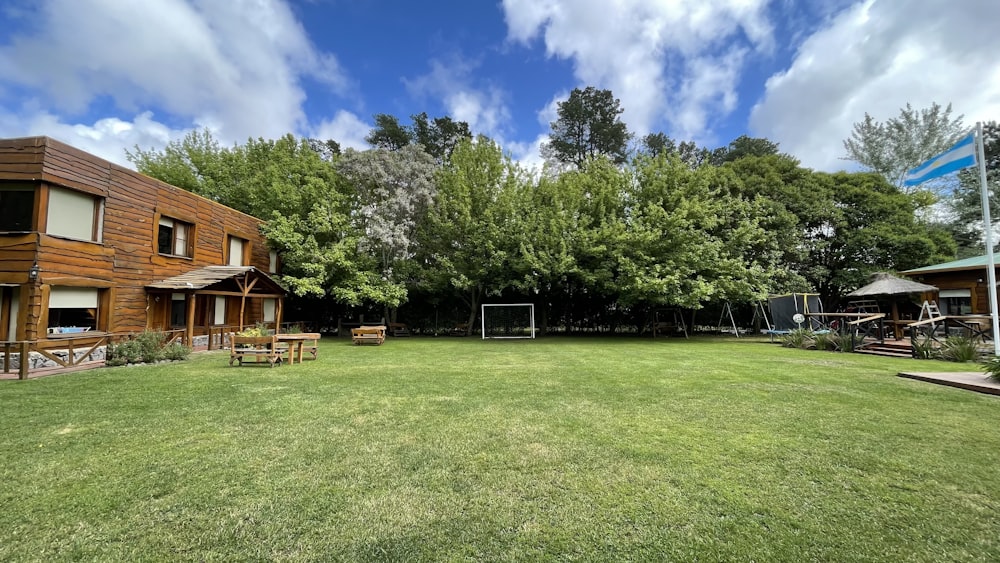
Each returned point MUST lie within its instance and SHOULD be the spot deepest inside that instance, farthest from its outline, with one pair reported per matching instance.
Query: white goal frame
(531, 316)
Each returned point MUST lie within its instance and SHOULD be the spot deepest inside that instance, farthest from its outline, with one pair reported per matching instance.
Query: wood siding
(973, 280)
(126, 259)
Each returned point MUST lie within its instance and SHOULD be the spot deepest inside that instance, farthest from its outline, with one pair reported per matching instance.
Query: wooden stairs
(889, 348)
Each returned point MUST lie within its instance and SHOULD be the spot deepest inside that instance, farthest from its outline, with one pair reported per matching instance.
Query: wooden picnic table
(297, 344)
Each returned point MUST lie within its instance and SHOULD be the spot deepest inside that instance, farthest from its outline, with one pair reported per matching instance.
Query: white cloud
(638, 48)
(107, 138)
(345, 128)
(876, 57)
(236, 66)
(483, 108)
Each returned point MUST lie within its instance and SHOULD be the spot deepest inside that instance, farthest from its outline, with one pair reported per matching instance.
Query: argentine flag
(962, 155)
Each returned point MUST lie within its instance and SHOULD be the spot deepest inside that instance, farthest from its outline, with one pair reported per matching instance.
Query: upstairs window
(17, 207)
(237, 246)
(74, 214)
(174, 238)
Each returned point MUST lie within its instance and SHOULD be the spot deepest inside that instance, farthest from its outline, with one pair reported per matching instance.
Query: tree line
(432, 221)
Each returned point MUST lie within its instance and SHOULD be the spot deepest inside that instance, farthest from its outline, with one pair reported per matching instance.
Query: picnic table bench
(368, 335)
(255, 350)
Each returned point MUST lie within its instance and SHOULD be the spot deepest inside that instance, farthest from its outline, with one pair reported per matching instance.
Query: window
(220, 310)
(956, 301)
(236, 247)
(75, 214)
(269, 306)
(174, 238)
(178, 310)
(272, 266)
(72, 309)
(17, 207)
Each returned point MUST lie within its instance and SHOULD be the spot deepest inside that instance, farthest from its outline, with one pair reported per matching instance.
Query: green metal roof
(974, 263)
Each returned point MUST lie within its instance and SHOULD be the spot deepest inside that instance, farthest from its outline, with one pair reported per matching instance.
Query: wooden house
(90, 248)
(962, 285)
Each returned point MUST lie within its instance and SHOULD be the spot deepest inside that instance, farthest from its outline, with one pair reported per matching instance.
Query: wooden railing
(89, 342)
(935, 330)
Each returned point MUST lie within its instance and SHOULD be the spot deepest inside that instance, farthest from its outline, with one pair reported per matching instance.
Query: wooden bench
(255, 350)
(368, 335)
(398, 329)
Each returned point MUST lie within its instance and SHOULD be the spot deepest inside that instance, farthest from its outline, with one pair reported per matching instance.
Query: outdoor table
(296, 343)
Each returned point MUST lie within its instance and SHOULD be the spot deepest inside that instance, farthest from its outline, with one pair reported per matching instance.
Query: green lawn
(459, 449)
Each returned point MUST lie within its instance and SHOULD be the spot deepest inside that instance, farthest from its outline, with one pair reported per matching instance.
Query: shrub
(958, 349)
(923, 348)
(145, 347)
(176, 351)
(992, 367)
(798, 338)
(826, 340)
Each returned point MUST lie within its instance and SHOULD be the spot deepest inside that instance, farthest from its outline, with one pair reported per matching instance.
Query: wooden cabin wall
(966, 279)
(126, 259)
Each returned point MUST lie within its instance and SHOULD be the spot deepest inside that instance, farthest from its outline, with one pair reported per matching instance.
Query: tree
(588, 125)
(656, 144)
(966, 201)
(194, 163)
(391, 192)
(473, 228)
(439, 136)
(901, 143)
(389, 133)
(742, 147)
(873, 227)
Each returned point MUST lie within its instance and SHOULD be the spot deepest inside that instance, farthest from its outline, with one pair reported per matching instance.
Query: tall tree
(900, 143)
(742, 147)
(194, 163)
(473, 228)
(389, 133)
(966, 199)
(392, 190)
(439, 136)
(588, 125)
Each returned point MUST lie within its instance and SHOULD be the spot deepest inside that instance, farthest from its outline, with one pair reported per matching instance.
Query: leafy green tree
(655, 144)
(439, 136)
(473, 228)
(893, 147)
(588, 125)
(743, 147)
(966, 199)
(694, 239)
(389, 133)
(194, 163)
(873, 228)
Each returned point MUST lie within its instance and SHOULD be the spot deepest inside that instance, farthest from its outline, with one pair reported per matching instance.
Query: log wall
(126, 259)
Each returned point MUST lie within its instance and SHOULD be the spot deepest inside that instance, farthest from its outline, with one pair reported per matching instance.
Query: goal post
(508, 320)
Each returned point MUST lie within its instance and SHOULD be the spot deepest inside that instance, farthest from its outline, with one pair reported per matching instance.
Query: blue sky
(107, 75)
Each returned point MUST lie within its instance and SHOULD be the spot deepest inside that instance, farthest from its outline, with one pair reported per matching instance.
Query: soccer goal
(508, 320)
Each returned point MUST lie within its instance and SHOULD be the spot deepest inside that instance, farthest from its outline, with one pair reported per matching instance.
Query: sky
(110, 75)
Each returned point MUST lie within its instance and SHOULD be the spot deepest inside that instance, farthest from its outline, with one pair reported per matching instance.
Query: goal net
(508, 320)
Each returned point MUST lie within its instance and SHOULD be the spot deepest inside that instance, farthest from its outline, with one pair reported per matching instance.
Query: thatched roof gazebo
(886, 284)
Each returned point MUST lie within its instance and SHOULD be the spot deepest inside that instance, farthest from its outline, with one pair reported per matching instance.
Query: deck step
(888, 350)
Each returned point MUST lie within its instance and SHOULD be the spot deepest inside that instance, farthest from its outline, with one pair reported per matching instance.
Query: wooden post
(189, 339)
(22, 372)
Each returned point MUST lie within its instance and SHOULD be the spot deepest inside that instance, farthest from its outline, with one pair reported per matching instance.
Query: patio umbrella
(888, 284)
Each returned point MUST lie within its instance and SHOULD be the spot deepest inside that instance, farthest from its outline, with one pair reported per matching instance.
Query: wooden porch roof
(217, 277)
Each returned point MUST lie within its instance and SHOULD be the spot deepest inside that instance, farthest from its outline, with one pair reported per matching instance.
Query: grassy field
(458, 449)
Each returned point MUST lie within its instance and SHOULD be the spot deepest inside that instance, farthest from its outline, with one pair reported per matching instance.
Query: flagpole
(991, 272)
